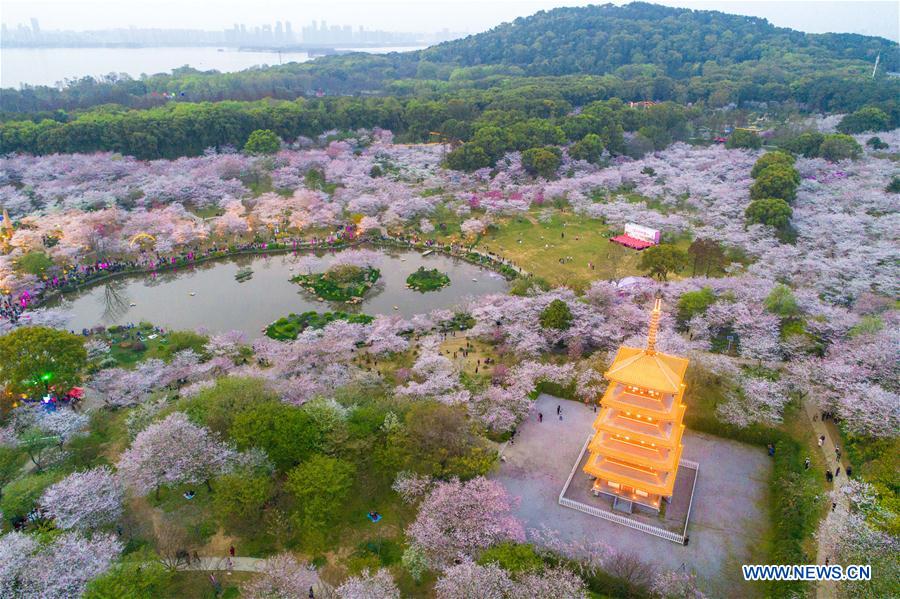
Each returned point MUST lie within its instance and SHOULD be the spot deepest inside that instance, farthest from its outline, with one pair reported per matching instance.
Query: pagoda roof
(648, 369)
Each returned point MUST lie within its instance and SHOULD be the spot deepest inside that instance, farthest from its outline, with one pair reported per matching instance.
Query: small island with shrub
(340, 283)
(424, 280)
(290, 326)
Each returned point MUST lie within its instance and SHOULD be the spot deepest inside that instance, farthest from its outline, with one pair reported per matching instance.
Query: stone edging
(641, 526)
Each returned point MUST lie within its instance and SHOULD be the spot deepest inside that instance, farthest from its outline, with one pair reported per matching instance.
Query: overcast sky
(871, 18)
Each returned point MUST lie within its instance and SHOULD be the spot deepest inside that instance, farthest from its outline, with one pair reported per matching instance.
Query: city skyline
(274, 34)
(869, 17)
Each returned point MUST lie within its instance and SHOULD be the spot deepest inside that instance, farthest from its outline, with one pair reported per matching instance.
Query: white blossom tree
(85, 500)
(369, 586)
(281, 577)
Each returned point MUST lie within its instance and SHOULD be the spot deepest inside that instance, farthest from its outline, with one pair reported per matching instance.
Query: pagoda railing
(623, 520)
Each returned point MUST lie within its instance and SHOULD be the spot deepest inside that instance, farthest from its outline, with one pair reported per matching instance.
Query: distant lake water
(49, 66)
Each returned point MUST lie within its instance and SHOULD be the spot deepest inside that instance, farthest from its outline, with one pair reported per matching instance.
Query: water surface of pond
(221, 303)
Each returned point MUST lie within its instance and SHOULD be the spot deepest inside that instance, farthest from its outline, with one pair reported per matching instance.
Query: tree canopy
(35, 359)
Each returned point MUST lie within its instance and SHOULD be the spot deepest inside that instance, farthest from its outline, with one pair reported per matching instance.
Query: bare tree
(173, 545)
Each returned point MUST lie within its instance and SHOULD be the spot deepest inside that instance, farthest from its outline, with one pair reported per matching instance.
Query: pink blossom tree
(281, 577)
(468, 579)
(369, 586)
(459, 518)
(173, 451)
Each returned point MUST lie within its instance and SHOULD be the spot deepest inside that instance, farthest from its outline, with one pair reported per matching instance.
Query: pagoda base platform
(583, 493)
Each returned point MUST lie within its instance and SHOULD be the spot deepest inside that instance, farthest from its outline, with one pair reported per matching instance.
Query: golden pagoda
(6, 231)
(635, 451)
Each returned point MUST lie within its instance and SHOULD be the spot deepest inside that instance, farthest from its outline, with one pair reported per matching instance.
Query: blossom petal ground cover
(356, 454)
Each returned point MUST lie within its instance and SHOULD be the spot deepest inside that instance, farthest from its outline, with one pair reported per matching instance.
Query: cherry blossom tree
(281, 577)
(677, 585)
(84, 500)
(173, 451)
(369, 586)
(754, 401)
(458, 518)
(411, 486)
(59, 570)
(15, 554)
(468, 579)
(473, 227)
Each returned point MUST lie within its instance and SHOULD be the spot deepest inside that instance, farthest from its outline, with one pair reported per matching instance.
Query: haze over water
(47, 66)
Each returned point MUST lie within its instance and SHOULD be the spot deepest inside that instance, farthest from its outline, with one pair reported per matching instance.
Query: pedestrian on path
(558, 410)
(849, 471)
(821, 440)
(833, 505)
(837, 452)
(540, 417)
(838, 471)
(828, 475)
(231, 551)
(806, 464)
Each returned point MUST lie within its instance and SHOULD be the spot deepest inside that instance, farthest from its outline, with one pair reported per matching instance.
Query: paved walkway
(238, 564)
(245, 564)
(727, 518)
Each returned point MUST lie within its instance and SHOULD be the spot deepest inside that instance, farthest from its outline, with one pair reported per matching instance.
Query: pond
(220, 303)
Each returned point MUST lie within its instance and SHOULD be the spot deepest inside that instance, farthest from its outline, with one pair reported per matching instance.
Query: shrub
(241, 496)
(512, 557)
(744, 138)
(542, 162)
(867, 118)
(557, 315)
(772, 158)
(21, 495)
(320, 484)
(693, 303)
(776, 181)
(774, 212)
(837, 147)
(286, 433)
(262, 141)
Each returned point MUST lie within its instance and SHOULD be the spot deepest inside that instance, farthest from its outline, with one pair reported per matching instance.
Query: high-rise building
(636, 448)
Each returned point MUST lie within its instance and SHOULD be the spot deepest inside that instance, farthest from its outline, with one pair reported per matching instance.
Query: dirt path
(835, 518)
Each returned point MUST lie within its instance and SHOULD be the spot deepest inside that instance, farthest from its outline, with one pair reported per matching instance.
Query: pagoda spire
(654, 326)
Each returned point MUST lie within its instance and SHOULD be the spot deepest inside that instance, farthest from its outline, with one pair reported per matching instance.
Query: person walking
(231, 551)
(838, 471)
(540, 417)
(821, 440)
(558, 410)
(828, 475)
(806, 464)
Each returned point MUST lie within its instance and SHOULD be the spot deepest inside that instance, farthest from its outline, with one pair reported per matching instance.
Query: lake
(47, 66)
(221, 303)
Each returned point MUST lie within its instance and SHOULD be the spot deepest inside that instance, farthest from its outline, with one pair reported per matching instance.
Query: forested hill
(600, 39)
(635, 52)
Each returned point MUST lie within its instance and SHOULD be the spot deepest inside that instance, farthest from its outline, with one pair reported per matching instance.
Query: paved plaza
(727, 518)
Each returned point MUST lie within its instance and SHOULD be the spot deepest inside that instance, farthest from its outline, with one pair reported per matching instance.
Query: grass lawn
(538, 247)
(207, 211)
(198, 585)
